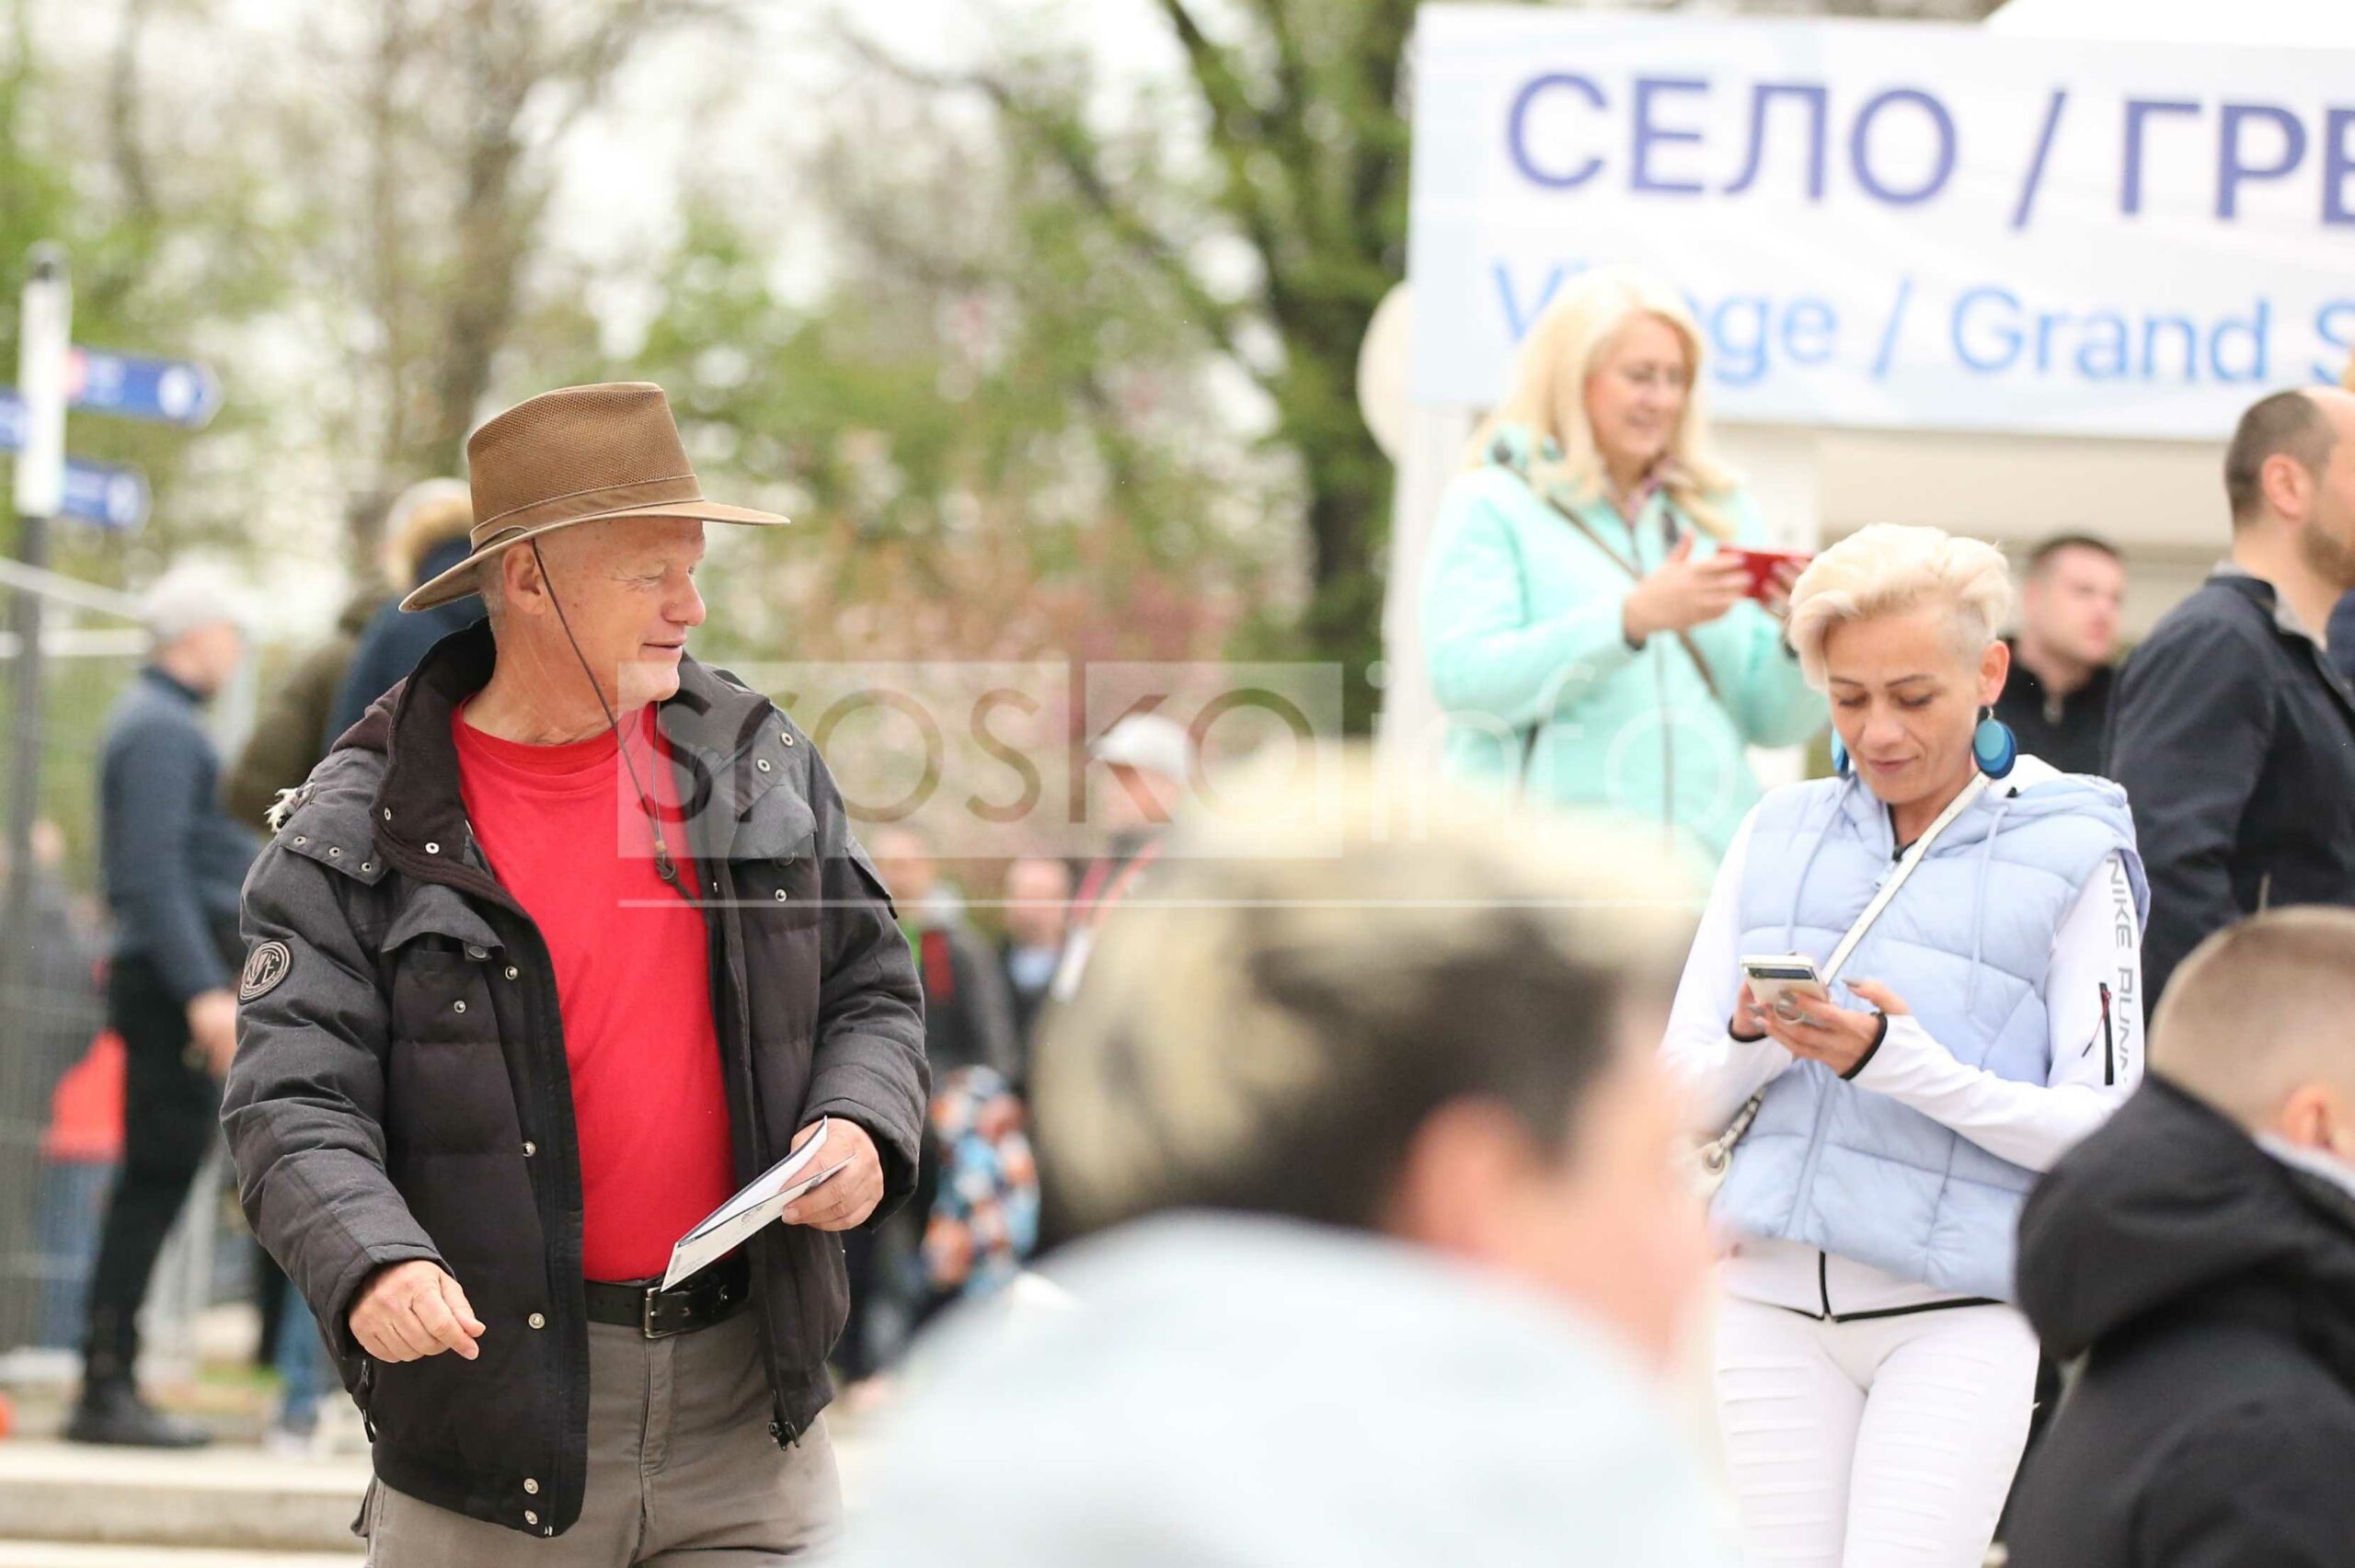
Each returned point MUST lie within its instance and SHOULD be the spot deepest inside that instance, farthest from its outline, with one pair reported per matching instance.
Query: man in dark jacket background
(2234, 735)
(2199, 1251)
(305, 710)
(2057, 696)
(172, 859)
(425, 536)
(565, 942)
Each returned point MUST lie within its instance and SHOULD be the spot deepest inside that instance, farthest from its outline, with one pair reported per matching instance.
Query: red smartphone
(1761, 564)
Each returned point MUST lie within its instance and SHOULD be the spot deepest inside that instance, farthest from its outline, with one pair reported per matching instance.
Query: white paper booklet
(729, 1226)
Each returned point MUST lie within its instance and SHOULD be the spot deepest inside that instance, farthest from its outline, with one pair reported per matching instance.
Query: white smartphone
(1776, 975)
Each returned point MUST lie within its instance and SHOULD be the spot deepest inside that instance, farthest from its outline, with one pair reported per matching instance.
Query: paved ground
(234, 1505)
(58, 1554)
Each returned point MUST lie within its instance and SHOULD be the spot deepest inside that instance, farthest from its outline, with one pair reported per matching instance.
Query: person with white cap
(173, 858)
(1148, 761)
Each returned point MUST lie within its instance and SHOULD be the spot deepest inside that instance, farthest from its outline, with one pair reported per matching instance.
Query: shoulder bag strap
(1715, 1156)
(1692, 649)
(1905, 864)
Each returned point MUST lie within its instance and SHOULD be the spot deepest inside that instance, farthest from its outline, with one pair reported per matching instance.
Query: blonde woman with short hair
(1587, 631)
(1874, 1382)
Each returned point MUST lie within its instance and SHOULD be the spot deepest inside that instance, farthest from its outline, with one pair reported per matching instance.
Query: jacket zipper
(1659, 698)
(722, 934)
(2108, 1042)
(365, 1395)
(1667, 747)
(568, 1308)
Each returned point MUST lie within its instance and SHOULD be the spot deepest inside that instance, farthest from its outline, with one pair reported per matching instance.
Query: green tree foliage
(992, 440)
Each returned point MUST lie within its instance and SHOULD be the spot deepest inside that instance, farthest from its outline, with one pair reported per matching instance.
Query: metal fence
(60, 1074)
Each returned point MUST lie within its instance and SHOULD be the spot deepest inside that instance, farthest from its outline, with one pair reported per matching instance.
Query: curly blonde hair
(1890, 567)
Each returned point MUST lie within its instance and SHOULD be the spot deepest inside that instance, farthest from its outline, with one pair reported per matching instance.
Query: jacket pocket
(447, 1087)
(772, 859)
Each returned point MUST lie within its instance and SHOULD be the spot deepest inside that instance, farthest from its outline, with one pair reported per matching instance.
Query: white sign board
(1893, 224)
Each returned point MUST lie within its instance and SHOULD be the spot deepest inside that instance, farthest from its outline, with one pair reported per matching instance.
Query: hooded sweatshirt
(2211, 1287)
(1243, 1391)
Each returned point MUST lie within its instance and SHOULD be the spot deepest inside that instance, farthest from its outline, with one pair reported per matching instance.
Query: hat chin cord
(664, 868)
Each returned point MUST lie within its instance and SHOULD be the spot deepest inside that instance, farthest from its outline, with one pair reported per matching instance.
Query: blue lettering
(1860, 145)
(1818, 112)
(2335, 325)
(2337, 166)
(2101, 352)
(2129, 199)
(1741, 359)
(2255, 332)
(2183, 331)
(2232, 171)
(1517, 132)
(2004, 332)
(1517, 319)
(1811, 333)
(1646, 134)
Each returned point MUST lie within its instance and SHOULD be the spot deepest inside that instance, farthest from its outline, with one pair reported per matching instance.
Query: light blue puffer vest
(1965, 943)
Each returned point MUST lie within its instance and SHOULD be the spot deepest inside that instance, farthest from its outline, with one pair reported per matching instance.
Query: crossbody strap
(1715, 1156)
(1905, 864)
(1635, 573)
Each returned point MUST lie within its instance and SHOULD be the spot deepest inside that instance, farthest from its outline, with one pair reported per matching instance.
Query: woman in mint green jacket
(1589, 641)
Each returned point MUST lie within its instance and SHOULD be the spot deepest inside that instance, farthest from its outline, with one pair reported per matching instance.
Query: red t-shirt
(566, 835)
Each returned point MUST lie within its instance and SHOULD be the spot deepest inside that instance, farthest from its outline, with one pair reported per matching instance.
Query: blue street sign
(109, 496)
(95, 492)
(173, 392)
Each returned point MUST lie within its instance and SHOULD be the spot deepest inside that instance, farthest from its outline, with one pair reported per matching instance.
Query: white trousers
(1880, 1443)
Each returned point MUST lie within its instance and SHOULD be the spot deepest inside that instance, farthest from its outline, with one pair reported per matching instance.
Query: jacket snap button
(780, 895)
(536, 1321)
(388, 813)
(433, 849)
(302, 838)
(334, 853)
(475, 951)
(763, 764)
(367, 865)
(530, 1486)
(530, 1149)
(512, 971)
(457, 1007)
(530, 1517)
(788, 740)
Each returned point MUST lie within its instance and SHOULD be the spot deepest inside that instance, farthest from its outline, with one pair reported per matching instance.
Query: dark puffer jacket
(401, 1091)
(2211, 1288)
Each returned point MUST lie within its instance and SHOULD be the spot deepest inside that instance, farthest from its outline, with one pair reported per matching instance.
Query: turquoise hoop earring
(1839, 755)
(1994, 746)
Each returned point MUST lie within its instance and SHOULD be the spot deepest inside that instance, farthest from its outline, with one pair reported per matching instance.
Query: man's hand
(849, 1196)
(213, 1028)
(409, 1310)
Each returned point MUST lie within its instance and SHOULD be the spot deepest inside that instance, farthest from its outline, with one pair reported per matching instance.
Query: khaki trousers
(681, 1465)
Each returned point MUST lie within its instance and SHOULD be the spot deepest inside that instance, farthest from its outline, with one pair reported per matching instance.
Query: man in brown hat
(565, 942)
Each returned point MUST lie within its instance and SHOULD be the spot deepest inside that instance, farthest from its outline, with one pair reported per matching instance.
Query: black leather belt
(714, 1296)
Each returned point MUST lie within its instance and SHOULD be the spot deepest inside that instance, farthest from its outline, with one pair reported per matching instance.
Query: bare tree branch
(1065, 142)
(1239, 130)
(123, 113)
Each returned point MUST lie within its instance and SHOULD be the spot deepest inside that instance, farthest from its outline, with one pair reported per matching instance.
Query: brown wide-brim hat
(582, 454)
